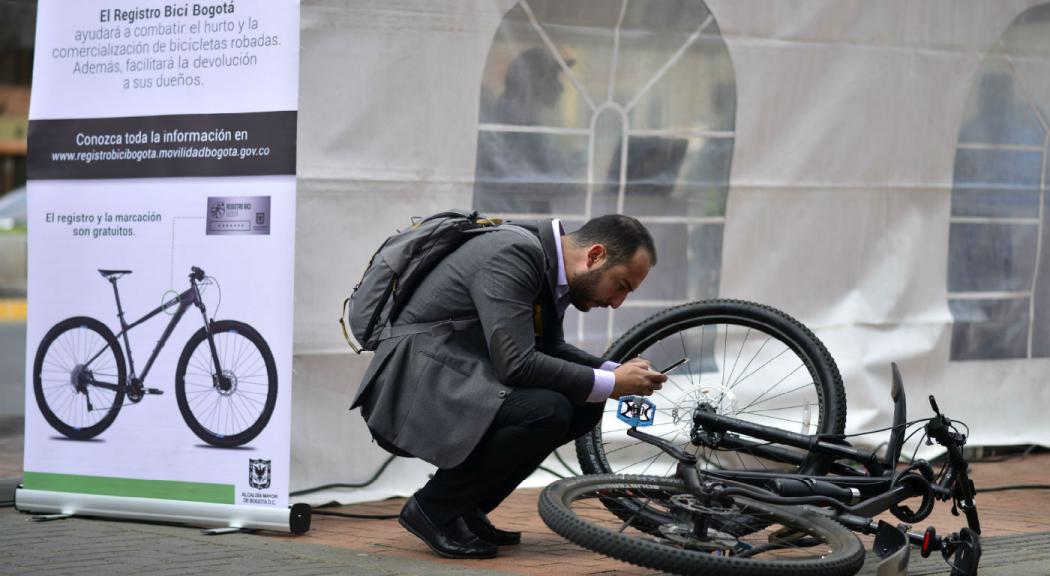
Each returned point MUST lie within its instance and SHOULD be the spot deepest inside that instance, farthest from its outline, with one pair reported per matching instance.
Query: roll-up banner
(162, 147)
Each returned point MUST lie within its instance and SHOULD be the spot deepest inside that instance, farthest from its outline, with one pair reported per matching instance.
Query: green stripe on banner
(130, 487)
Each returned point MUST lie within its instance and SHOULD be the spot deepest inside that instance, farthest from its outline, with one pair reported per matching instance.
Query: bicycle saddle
(107, 274)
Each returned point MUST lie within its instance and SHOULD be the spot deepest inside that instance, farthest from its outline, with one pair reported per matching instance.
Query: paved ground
(1016, 529)
(1017, 532)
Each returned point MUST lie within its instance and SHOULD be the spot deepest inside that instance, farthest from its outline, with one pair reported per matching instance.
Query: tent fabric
(828, 158)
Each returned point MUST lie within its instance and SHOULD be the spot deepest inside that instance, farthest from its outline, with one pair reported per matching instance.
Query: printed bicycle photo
(225, 378)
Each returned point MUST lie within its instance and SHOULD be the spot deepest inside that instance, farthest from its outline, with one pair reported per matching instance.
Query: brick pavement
(1017, 532)
(1013, 513)
(87, 547)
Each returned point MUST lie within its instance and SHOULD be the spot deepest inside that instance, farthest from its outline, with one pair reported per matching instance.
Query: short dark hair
(621, 235)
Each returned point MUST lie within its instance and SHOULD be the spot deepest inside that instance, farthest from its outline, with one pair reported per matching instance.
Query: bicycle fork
(220, 379)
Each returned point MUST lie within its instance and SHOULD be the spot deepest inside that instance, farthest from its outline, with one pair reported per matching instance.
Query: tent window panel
(704, 69)
(999, 245)
(669, 175)
(996, 169)
(591, 107)
(991, 257)
(997, 183)
(531, 172)
(998, 113)
(705, 260)
(989, 329)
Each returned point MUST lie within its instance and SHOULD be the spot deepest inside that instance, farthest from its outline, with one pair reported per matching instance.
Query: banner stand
(295, 519)
(163, 144)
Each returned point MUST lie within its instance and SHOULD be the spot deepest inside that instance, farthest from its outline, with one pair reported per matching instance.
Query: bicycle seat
(107, 274)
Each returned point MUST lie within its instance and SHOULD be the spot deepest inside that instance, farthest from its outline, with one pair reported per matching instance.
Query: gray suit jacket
(434, 394)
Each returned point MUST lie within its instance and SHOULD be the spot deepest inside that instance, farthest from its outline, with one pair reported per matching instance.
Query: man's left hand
(640, 362)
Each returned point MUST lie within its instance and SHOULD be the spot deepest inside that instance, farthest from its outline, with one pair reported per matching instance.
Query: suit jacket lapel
(547, 325)
(550, 250)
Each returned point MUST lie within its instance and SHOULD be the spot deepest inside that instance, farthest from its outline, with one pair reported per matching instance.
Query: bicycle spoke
(738, 353)
(768, 362)
(778, 383)
(231, 412)
(751, 361)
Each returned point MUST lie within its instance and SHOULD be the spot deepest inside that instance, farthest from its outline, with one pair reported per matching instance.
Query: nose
(616, 301)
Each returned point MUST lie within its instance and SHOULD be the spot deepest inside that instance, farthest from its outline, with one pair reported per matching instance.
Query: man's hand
(638, 360)
(636, 379)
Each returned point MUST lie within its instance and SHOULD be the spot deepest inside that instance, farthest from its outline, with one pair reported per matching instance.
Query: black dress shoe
(452, 541)
(480, 525)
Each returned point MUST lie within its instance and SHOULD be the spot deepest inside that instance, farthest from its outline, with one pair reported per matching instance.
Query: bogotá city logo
(259, 473)
(218, 210)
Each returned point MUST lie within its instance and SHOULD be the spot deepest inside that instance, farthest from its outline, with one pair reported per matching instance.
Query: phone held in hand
(675, 365)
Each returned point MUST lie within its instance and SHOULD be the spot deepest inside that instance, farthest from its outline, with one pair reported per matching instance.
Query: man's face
(608, 286)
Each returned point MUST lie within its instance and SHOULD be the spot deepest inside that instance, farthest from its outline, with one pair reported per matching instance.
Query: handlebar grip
(196, 273)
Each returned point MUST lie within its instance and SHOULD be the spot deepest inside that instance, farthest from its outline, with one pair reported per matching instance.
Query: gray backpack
(396, 270)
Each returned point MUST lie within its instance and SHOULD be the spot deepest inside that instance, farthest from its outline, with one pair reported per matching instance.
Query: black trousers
(530, 424)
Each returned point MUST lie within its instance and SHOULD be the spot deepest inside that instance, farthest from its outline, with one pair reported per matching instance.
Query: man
(487, 395)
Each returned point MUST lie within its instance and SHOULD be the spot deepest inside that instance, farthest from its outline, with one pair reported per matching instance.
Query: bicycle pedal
(156, 391)
(636, 411)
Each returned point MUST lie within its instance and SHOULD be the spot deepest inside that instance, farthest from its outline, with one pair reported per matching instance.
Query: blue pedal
(636, 411)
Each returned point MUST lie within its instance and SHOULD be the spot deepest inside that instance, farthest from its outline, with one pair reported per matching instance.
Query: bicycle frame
(851, 498)
(190, 297)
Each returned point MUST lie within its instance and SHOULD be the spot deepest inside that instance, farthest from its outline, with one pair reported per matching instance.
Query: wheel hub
(715, 398)
(226, 383)
(720, 397)
(79, 378)
(715, 542)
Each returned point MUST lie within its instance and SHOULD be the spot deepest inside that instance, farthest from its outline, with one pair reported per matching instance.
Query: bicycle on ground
(761, 479)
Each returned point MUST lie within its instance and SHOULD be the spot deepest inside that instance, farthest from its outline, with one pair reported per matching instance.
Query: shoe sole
(413, 531)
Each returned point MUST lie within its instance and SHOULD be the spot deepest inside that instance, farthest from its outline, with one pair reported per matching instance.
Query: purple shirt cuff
(604, 380)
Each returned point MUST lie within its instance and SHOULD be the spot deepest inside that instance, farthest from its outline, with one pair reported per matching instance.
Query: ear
(596, 256)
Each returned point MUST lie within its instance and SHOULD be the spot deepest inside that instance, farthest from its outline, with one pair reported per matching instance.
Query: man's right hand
(633, 379)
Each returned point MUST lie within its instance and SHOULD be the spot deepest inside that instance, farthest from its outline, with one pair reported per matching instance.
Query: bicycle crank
(136, 391)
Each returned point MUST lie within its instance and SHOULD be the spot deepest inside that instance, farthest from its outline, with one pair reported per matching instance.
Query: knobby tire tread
(846, 558)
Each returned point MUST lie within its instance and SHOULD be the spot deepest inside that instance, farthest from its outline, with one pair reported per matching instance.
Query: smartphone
(675, 365)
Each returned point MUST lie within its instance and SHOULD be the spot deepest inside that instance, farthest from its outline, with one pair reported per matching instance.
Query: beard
(583, 289)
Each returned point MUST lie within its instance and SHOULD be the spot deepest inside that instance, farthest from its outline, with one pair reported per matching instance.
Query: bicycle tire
(64, 350)
(218, 416)
(827, 548)
(742, 319)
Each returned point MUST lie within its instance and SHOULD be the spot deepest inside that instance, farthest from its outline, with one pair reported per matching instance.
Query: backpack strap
(432, 327)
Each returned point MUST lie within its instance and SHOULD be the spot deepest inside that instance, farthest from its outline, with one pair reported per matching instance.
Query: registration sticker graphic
(239, 215)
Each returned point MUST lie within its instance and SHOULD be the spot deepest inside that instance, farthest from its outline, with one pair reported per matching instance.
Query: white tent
(877, 169)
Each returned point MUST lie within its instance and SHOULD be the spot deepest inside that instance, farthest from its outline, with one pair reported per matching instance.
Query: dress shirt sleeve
(604, 380)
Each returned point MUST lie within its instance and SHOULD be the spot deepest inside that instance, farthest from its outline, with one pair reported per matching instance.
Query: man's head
(606, 259)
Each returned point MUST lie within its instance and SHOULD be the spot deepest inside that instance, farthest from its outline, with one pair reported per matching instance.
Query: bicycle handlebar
(196, 273)
(940, 429)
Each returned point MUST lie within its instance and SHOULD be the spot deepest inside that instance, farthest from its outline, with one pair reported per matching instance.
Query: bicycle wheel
(747, 361)
(231, 406)
(694, 537)
(79, 377)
